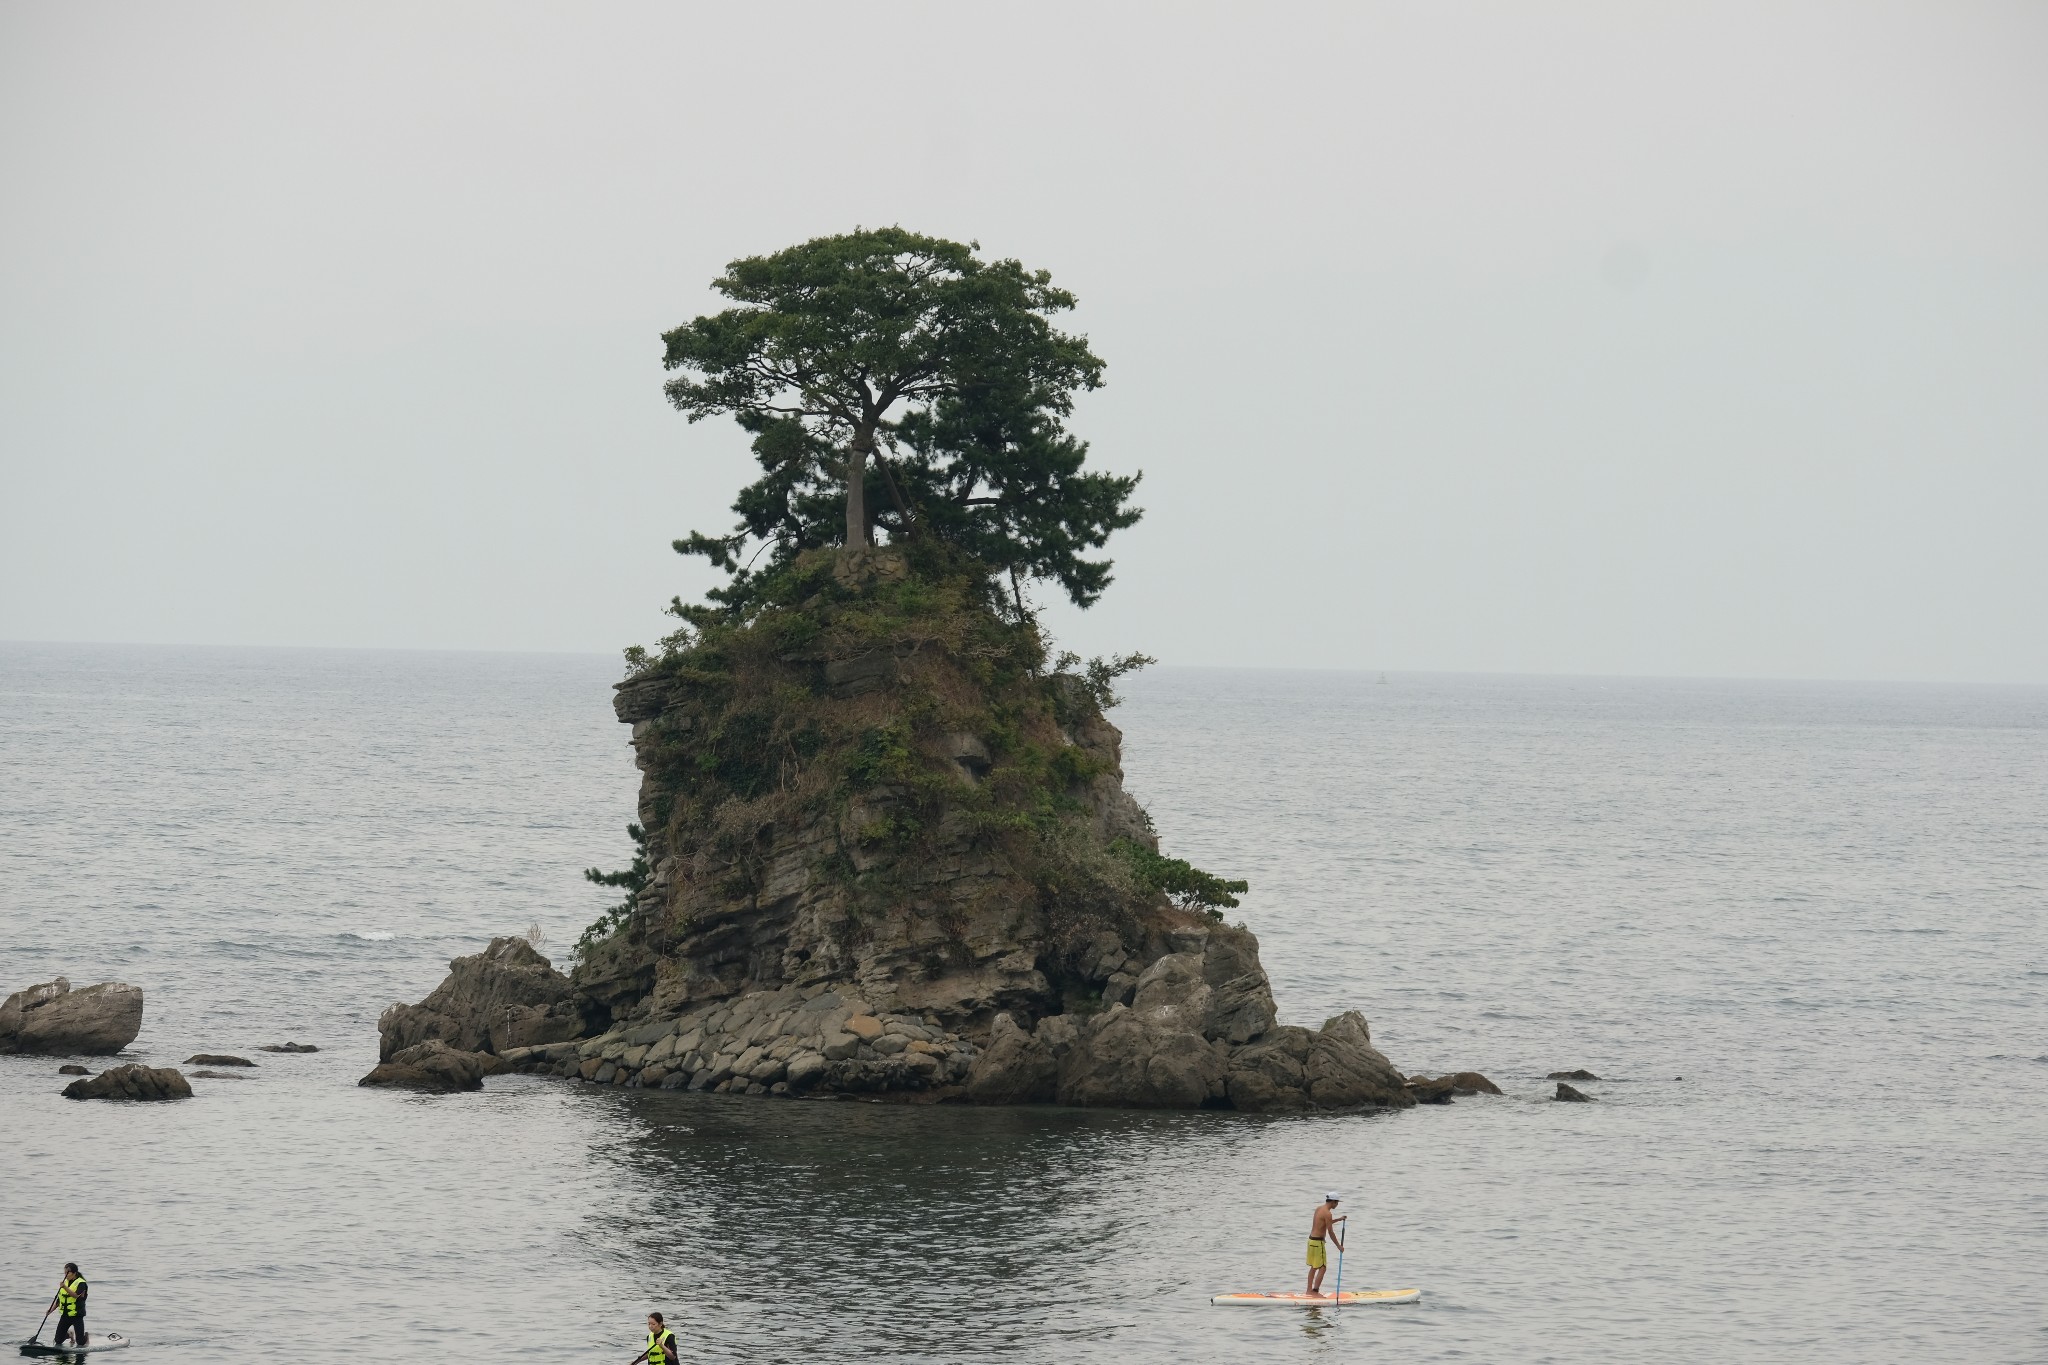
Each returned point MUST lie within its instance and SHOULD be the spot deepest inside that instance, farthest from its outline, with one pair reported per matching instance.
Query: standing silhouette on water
(70, 1305)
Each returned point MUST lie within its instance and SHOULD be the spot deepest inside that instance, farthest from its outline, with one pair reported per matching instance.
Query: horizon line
(1165, 664)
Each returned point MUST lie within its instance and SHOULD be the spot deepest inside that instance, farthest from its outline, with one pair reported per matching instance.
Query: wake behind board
(1297, 1299)
(101, 1341)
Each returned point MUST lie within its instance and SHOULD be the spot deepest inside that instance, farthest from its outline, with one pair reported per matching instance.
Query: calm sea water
(1823, 906)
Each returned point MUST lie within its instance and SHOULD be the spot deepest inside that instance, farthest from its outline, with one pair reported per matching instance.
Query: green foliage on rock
(633, 878)
(1186, 885)
(893, 717)
(888, 695)
(897, 382)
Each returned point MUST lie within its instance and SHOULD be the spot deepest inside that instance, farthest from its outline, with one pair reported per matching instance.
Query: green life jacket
(661, 1347)
(67, 1296)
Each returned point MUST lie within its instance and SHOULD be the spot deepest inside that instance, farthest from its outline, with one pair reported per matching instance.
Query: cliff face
(949, 926)
(890, 852)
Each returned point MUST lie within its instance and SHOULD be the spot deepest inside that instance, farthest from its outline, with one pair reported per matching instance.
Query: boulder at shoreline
(433, 1065)
(132, 1083)
(55, 1020)
(507, 996)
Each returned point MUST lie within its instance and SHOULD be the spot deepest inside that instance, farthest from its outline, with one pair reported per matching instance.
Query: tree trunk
(857, 491)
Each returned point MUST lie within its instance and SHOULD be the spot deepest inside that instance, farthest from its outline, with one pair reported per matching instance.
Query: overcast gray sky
(1593, 338)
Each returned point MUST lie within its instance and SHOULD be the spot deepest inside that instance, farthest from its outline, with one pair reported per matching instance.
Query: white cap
(1333, 1195)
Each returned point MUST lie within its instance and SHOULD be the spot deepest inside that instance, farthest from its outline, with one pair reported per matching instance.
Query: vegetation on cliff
(842, 721)
(899, 688)
(894, 382)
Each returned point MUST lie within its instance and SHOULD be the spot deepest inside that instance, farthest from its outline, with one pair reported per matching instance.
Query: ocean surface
(1801, 929)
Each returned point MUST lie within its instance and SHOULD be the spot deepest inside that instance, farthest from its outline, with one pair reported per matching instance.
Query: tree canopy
(894, 381)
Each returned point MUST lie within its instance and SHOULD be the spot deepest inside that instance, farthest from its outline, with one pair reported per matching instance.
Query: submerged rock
(288, 1047)
(1579, 1075)
(51, 1018)
(1565, 1092)
(223, 1075)
(1427, 1091)
(132, 1083)
(1457, 1083)
(216, 1059)
(72, 1069)
(433, 1065)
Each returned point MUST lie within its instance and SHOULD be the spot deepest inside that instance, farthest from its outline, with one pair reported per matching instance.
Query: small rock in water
(73, 1069)
(1472, 1083)
(1427, 1091)
(216, 1059)
(1565, 1092)
(288, 1047)
(433, 1065)
(132, 1083)
(1580, 1075)
(223, 1076)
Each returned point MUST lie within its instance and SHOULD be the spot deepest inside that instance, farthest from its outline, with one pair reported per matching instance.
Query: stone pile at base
(786, 1041)
(1194, 1029)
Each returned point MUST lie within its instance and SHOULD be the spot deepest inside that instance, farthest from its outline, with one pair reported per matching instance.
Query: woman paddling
(661, 1344)
(70, 1305)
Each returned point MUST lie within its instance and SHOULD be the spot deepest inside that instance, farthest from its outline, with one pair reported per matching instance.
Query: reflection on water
(827, 1229)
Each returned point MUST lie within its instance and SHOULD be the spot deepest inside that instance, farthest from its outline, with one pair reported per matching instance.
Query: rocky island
(884, 843)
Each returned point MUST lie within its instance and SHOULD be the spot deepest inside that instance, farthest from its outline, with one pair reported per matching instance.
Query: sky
(1685, 339)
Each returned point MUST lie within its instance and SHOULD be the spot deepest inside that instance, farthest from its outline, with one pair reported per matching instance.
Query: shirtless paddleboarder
(1323, 1227)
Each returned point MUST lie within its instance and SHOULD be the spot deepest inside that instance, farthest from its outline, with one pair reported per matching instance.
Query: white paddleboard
(1298, 1299)
(101, 1341)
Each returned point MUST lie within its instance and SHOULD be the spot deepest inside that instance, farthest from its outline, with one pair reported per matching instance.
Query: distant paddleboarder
(661, 1344)
(70, 1305)
(1322, 1227)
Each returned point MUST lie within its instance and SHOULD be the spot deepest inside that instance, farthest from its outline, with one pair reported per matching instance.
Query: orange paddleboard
(1301, 1300)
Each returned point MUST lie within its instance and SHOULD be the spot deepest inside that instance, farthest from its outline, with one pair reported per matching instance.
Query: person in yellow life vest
(661, 1344)
(70, 1305)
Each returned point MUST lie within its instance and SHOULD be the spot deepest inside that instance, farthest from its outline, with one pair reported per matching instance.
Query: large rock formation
(53, 1019)
(889, 851)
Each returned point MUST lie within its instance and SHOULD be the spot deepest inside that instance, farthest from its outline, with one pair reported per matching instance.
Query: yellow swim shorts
(1316, 1259)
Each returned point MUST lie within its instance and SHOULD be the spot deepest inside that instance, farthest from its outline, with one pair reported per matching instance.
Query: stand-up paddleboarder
(70, 1305)
(661, 1344)
(1321, 1228)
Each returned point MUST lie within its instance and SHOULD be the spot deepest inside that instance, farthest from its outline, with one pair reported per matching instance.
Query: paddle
(1340, 1270)
(44, 1323)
